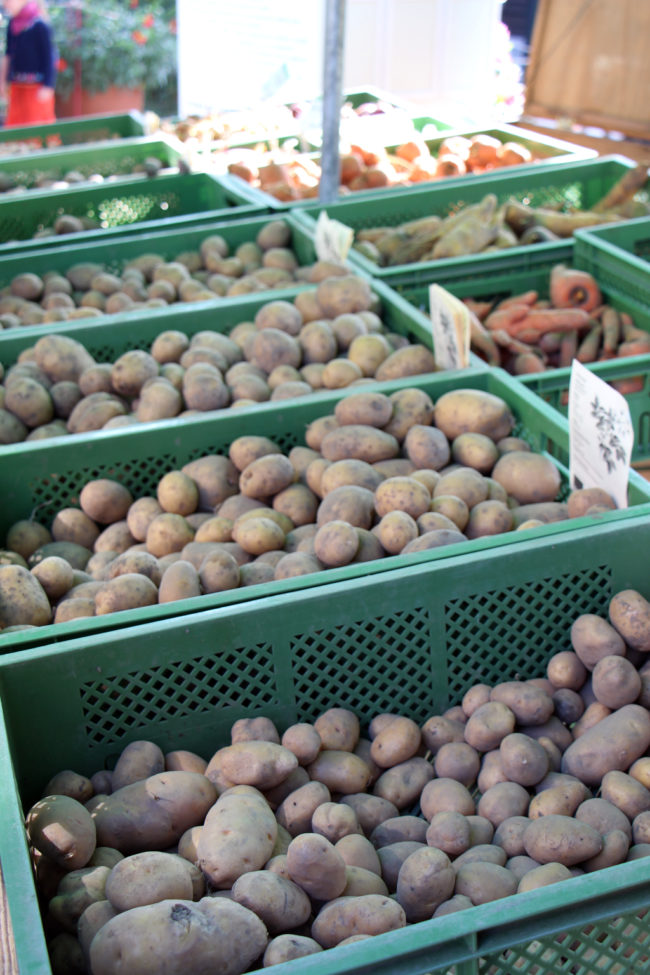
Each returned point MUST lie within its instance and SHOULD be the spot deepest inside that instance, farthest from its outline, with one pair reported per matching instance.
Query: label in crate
(450, 324)
(332, 240)
(601, 435)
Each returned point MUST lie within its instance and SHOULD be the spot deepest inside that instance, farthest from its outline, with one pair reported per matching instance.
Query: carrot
(632, 384)
(515, 346)
(633, 180)
(588, 349)
(570, 288)
(568, 349)
(629, 329)
(503, 319)
(527, 363)
(550, 341)
(481, 340)
(611, 329)
(527, 298)
(635, 346)
(552, 320)
(479, 308)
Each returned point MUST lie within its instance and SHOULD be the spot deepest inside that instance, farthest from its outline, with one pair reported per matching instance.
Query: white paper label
(332, 239)
(601, 435)
(450, 325)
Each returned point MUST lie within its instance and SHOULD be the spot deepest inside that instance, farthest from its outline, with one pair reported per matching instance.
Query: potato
(349, 503)
(128, 591)
(561, 839)
(489, 725)
(29, 401)
(626, 793)
(425, 880)
(562, 799)
(177, 936)
(529, 704)
(341, 771)
(484, 882)
(489, 518)
(357, 441)
(303, 740)
(344, 294)
(446, 795)
(410, 406)
(55, 576)
(449, 831)
(266, 475)
(263, 764)
(397, 742)
(593, 637)
(481, 853)
(437, 731)
(105, 501)
(239, 834)
(336, 543)
(216, 477)
(138, 760)
(464, 483)
(179, 581)
(62, 829)
(566, 670)
(146, 878)
(345, 917)
(615, 681)
(403, 783)
(411, 360)
(629, 613)
(529, 478)
(395, 530)
(69, 783)
(398, 830)
(524, 760)
(542, 876)
(503, 800)
(491, 771)
(612, 744)
(153, 813)
(370, 810)
(316, 866)
(459, 761)
(509, 835)
(61, 358)
(23, 601)
(473, 411)
(402, 494)
(357, 851)
(295, 812)
(287, 947)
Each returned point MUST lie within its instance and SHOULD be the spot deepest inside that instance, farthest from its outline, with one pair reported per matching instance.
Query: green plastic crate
(74, 131)
(411, 641)
(573, 184)
(117, 251)
(109, 159)
(621, 252)
(120, 207)
(553, 385)
(36, 479)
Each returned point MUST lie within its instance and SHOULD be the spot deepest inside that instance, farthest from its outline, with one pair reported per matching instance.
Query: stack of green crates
(72, 131)
(620, 255)
(405, 633)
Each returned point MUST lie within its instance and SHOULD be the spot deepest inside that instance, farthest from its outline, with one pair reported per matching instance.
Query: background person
(28, 71)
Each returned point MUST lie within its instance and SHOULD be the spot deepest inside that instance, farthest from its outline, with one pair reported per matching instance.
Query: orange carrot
(527, 363)
(611, 329)
(568, 349)
(632, 384)
(570, 288)
(629, 329)
(552, 320)
(527, 298)
(588, 349)
(640, 346)
(503, 319)
(550, 341)
(480, 308)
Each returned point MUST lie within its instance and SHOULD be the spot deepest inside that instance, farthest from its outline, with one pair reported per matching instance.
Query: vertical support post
(332, 81)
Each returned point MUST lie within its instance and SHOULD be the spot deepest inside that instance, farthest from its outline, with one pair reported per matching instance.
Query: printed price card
(450, 324)
(333, 239)
(601, 435)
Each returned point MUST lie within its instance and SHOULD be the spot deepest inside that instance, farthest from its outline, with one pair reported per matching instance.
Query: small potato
(509, 835)
(427, 447)
(616, 846)
(626, 793)
(482, 853)
(341, 771)
(446, 795)
(128, 591)
(475, 450)
(503, 800)
(484, 882)
(615, 681)
(345, 917)
(438, 731)
(524, 760)
(138, 760)
(491, 771)
(529, 478)
(629, 613)
(359, 442)
(400, 829)
(425, 880)
(316, 866)
(489, 725)
(62, 829)
(403, 783)
(397, 742)
(23, 601)
(489, 518)
(336, 543)
(168, 532)
(69, 783)
(296, 810)
(560, 799)
(565, 669)
(358, 851)
(281, 904)
(146, 878)
(179, 581)
(473, 411)
(263, 764)
(449, 831)
(105, 501)
(464, 483)
(287, 947)
(181, 760)
(561, 839)
(370, 810)
(542, 876)
(410, 406)
(593, 637)
(373, 409)
(411, 360)
(338, 728)
(334, 820)
(402, 494)
(304, 741)
(459, 761)
(55, 576)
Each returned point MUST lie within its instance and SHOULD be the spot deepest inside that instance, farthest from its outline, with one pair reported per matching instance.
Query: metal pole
(332, 77)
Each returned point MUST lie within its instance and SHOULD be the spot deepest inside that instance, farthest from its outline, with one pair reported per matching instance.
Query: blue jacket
(32, 55)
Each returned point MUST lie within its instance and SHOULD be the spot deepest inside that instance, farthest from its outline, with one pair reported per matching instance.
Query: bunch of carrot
(527, 334)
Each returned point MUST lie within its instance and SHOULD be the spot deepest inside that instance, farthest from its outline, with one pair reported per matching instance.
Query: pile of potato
(287, 842)
(325, 338)
(12, 183)
(89, 289)
(382, 475)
